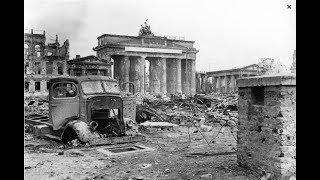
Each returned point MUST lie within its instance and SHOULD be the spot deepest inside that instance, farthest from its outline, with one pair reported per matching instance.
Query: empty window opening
(49, 67)
(103, 73)
(37, 68)
(26, 86)
(258, 95)
(64, 90)
(77, 72)
(259, 128)
(92, 72)
(60, 68)
(37, 86)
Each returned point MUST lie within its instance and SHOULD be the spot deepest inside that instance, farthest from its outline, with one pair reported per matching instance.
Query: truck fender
(81, 129)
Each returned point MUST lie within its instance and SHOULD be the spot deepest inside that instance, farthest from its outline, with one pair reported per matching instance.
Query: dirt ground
(171, 158)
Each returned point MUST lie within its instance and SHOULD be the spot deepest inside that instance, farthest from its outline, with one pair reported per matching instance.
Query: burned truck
(90, 109)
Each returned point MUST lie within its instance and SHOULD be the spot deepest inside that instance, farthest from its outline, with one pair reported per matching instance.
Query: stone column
(198, 83)
(193, 77)
(214, 84)
(71, 72)
(204, 84)
(163, 76)
(142, 74)
(154, 76)
(124, 73)
(228, 84)
(31, 86)
(266, 137)
(218, 84)
(224, 88)
(171, 76)
(178, 75)
(232, 83)
(83, 72)
(43, 85)
(207, 84)
(138, 74)
(186, 72)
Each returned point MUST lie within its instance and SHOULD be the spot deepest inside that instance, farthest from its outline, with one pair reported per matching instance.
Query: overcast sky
(227, 33)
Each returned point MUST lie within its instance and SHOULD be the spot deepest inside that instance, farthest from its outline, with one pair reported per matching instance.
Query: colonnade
(166, 75)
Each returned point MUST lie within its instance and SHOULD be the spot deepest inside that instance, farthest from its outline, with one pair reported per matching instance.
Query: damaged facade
(89, 65)
(42, 62)
(171, 62)
(224, 81)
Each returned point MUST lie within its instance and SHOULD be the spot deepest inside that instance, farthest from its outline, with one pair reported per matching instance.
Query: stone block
(266, 137)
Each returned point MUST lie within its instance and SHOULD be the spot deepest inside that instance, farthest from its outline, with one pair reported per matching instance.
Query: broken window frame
(65, 97)
(92, 91)
(35, 86)
(48, 65)
(28, 86)
(103, 86)
(37, 67)
(60, 68)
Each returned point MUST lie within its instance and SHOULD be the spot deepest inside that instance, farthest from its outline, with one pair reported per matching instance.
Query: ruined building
(224, 81)
(89, 65)
(43, 61)
(171, 62)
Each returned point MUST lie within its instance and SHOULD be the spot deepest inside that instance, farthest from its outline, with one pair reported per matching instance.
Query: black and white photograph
(159, 89)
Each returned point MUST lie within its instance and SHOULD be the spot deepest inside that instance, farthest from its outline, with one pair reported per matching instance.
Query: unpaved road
(46, 159)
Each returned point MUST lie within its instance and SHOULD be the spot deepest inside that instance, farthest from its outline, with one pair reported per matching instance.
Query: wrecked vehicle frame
(88, 108)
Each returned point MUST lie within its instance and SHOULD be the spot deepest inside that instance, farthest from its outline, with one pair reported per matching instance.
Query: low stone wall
(266, 139)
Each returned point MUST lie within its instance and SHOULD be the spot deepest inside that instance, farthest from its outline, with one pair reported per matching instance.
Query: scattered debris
(167, 171)
(207, 176)
(144, 166)
(73, 153)
(268, 176)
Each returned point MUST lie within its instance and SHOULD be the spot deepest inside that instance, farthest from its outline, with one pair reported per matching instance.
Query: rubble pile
(210, 109)
(36, 105)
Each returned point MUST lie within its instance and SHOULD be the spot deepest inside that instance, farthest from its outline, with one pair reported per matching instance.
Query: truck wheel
(69, 134)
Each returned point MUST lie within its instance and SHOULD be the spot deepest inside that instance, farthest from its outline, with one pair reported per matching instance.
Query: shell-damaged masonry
(139, 110)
